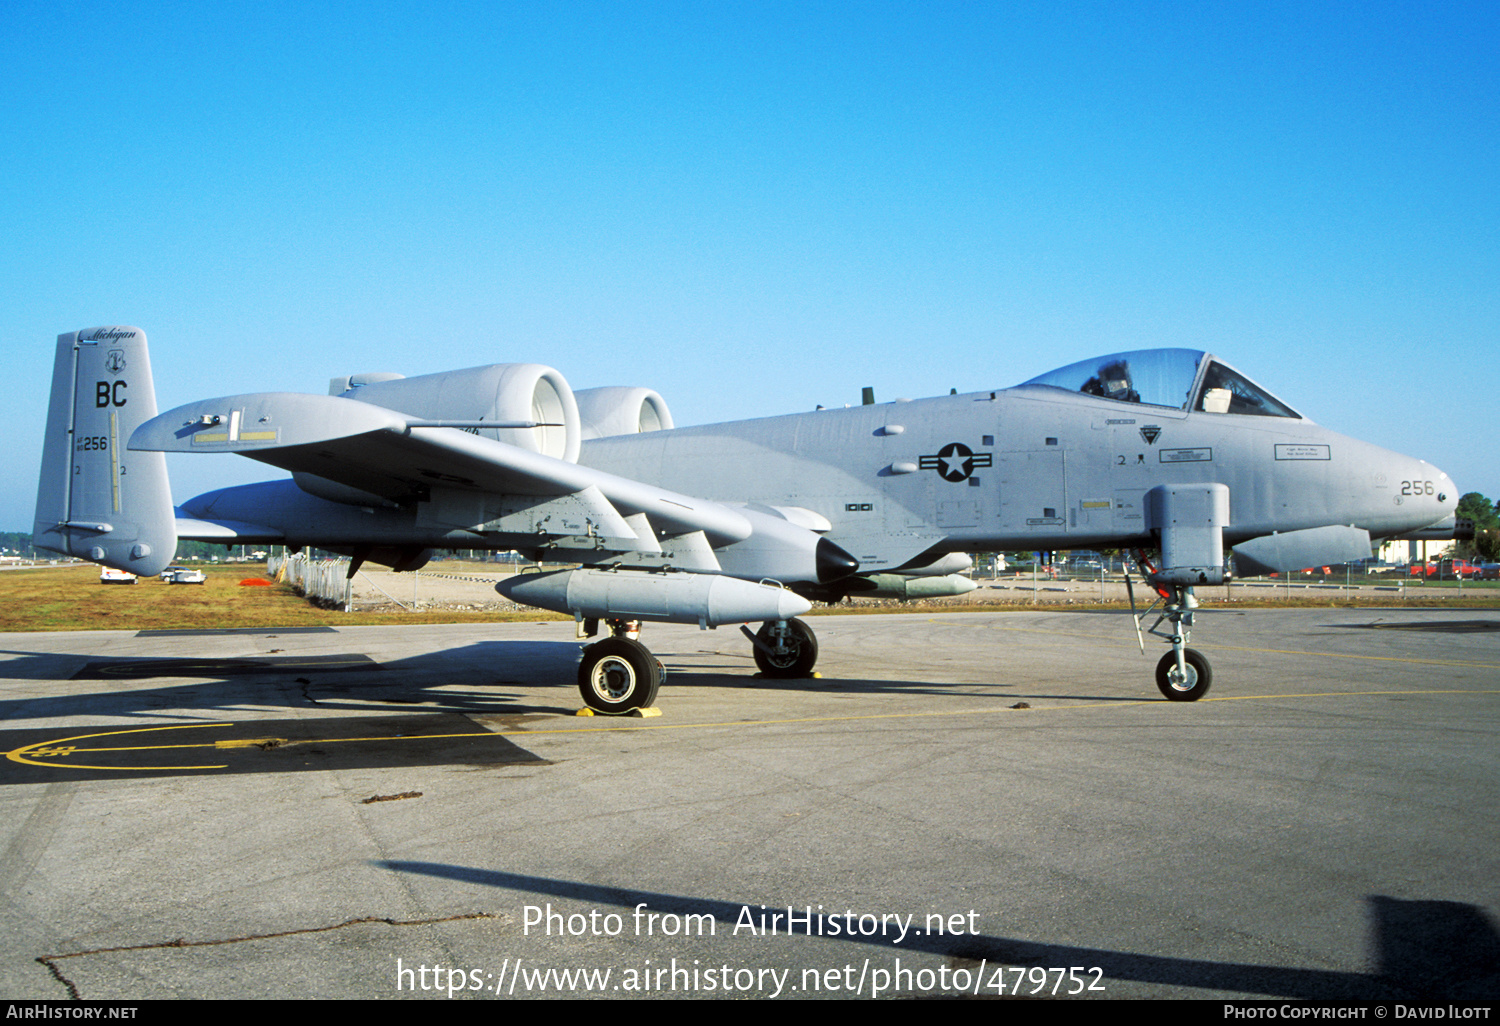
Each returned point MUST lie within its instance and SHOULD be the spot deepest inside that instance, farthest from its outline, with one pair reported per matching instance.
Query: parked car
(109, 575)
(186, 575)
(1489, 571)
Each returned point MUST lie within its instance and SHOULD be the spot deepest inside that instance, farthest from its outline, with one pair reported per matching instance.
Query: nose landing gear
(1183, 674)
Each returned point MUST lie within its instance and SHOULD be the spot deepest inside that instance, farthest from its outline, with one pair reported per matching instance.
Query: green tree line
(1485, 547)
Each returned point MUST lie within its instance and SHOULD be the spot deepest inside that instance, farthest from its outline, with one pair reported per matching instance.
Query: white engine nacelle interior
(621, 410)
(501, 392)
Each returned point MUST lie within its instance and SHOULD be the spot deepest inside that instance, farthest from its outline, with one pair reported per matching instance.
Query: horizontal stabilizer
(230, 532)
(1297, 550)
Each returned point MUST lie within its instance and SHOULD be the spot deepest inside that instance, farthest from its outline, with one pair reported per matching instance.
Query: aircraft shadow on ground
(261, 746)
(1427, 626)
(354, 681)
(441, 681)
(411, 711)
(1024, 690)
(1424, 950)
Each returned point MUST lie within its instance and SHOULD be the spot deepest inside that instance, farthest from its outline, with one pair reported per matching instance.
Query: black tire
(618, 675)
(797, 659)
(1200, 676)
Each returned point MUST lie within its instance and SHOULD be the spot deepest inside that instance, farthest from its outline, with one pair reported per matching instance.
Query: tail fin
(96, 499)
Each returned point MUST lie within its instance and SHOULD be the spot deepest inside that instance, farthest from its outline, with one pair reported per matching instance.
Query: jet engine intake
(621, 410)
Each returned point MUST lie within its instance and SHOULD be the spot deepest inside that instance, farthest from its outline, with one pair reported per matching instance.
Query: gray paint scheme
(1064, 470)
(96, 499)
(497, 458)
(1040, 468)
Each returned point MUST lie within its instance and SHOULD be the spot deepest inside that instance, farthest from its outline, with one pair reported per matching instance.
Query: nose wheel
(1188, 682)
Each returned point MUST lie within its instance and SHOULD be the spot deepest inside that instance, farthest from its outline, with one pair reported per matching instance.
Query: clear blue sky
(756, 208)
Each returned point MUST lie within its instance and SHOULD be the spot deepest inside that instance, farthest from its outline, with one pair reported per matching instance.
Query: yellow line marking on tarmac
(60, 748)
(1232, 648)
(1352, 655)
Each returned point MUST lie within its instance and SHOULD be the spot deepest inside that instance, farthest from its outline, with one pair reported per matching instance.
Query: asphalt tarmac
(990, 804)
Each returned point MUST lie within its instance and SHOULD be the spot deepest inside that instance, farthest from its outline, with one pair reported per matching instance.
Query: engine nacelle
(501, 392)
(621, 410)
(783, 551)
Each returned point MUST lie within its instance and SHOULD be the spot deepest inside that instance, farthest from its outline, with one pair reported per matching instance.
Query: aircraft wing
(393, 456)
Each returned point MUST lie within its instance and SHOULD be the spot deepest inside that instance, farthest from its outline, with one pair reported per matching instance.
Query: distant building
(1399, 550)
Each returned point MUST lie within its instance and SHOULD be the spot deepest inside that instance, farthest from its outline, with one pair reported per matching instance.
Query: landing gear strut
(619, 674)
(1183, 674)
(784, 649)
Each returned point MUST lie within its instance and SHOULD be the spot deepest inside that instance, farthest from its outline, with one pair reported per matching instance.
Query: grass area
(1456, 585)
(71, 598)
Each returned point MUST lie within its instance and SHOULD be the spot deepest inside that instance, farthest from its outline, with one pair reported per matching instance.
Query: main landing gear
(1183, 674)
(784, 649)
(619, 674)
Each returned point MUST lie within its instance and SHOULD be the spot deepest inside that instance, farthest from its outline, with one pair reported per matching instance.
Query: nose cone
(1413, 493)
(1449, 494)
(1444, 491)
(545, 591)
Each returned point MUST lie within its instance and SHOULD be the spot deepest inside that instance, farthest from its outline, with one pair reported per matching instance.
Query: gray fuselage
(1030, 468)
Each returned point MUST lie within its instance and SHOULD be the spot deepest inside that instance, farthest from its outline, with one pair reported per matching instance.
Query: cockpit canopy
(1182, 379)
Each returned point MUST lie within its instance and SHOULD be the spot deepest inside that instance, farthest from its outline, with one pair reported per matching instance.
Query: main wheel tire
(1199, 676)
(618, 675)
(796, 658)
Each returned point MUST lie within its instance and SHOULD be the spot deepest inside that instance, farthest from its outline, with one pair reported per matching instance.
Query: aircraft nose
(1428, 491)
(1447, 490)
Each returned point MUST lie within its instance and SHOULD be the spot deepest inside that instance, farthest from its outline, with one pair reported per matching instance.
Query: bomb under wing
(673, 596)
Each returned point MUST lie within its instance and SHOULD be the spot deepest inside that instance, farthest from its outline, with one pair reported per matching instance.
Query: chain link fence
(323, 581)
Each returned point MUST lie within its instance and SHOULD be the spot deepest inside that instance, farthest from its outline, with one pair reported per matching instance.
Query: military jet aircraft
(1170, 450)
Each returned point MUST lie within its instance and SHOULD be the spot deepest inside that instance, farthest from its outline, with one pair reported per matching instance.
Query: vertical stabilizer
(96, 499)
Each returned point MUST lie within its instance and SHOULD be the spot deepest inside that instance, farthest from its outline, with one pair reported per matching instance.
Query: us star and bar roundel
(956, 461)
